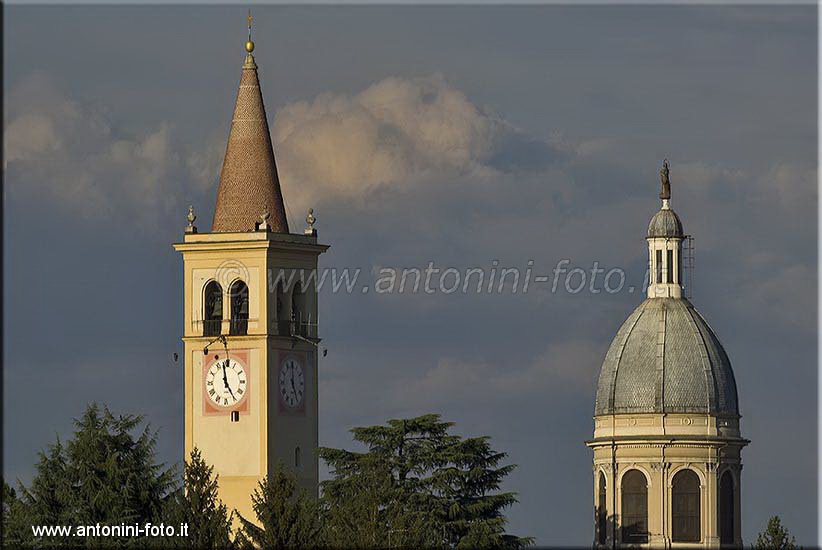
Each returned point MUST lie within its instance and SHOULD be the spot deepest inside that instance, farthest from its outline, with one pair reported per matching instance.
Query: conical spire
(249, 184)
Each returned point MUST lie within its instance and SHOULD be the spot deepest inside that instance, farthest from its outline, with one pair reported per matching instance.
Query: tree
(775, 537)
(286, 517)
(44, 502)
(364, 508)
(105, 474)
(15, 526)
(197, 504)
(379, 497)
(417, 485)
(473, 508)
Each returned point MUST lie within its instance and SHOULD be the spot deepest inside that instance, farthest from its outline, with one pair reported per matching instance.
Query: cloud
(420, 145)
(396, 134)
(789, 188)
(30, 136)
(777, 293)
(60, 148)
(564, 368)
(399, 132)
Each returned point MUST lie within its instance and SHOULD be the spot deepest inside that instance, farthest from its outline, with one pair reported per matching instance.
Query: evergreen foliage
(104, 475)
(286, 517)
(15, 523)
(775, 537)
(197, 504)
(417, 485)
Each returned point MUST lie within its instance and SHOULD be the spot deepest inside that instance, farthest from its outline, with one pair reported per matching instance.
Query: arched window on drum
(602, 510)
(685, 507)
(727, 502)
(634, 507)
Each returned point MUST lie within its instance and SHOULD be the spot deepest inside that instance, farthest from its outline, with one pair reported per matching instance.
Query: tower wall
(267, 431)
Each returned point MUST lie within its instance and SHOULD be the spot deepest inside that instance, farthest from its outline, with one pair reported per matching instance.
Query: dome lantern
(665, 236)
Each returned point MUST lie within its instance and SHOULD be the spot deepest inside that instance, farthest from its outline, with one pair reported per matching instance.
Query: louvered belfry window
(239, 308)
(212, 309)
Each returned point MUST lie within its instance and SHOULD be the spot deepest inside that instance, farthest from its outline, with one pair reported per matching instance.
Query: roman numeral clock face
(226, 382)
(292, 383)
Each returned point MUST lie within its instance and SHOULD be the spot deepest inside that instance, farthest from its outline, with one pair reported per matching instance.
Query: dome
(666, 359)
(665, 223)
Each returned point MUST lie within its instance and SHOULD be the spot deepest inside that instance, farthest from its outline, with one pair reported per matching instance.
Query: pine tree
(382, 498)
(472, 506)
(45, 501)
(775, 537)
(365, 508)
(417, 485)
(104, 474)
(16, 525)
(286, 517)
(197, 504)
(115, 476)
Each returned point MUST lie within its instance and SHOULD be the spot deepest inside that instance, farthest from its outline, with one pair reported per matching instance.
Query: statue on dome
(666, 183)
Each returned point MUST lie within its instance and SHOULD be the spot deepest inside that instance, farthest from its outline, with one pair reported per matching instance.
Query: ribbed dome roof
(665, 358)
(665, 223)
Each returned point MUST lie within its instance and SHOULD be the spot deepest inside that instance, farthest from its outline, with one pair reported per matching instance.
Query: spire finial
(665, 194)
(310, 219)
(263, 224)
(191, 228)
(249, 46)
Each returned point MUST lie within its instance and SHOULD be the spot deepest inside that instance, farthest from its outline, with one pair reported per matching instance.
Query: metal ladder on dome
(688, 253)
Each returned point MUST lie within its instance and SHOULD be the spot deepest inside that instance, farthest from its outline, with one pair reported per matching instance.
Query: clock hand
(225, 381)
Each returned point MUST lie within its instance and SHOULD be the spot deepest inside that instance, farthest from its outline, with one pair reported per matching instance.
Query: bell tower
(250, 319)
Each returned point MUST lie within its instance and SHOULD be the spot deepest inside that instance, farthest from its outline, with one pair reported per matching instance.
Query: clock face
(226, 382)
(292, 382)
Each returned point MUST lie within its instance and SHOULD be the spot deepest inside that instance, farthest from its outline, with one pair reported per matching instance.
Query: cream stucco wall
(659, 446)
(665, 289)
(243, 452)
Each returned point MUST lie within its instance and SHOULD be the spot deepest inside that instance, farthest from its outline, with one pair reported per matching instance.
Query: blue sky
(516, 134)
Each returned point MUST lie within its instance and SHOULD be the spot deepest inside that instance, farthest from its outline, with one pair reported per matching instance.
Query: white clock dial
(292, 382)
(226, 382)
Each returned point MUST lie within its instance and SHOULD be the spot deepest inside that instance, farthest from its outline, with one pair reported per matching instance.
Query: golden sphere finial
(249, 46)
